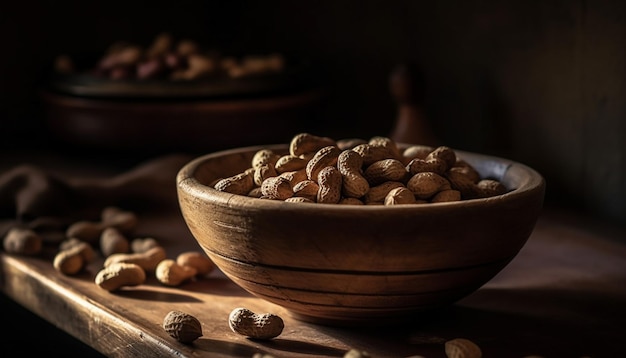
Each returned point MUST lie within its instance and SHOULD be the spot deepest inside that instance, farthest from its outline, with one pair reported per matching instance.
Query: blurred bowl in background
(215, 111)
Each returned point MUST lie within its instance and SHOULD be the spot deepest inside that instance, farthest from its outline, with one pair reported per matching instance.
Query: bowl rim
(532, 183)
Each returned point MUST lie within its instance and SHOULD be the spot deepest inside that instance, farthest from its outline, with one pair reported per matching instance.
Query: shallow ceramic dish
(347, 264)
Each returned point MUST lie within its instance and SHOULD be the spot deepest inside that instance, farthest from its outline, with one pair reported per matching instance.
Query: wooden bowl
(348, 264)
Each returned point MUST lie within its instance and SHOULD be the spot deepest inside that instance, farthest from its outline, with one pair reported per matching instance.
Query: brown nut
(123, 220)
(400, 195)
(350, 165)
(140, 245)
(120, 274)
(264, 157)
(84, 230)
(257, 326)
(277, 188)
(425, 185)
(112, 241)
(169, 273)
(147, 260)
(305, 143)
(325, 157)
(385, 170)
(182, 326)
(22, 241)
(462, 348)
(330, 183)
(74, 259)
(198, 260)
(239, 184)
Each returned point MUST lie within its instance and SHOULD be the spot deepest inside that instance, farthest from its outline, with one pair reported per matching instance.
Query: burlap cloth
(32, 197)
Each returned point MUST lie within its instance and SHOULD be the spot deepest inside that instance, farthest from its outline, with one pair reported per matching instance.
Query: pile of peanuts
(168, 58)
(359, 172)
(128, 261)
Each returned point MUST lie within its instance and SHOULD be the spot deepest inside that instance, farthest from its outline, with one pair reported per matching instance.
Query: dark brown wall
(541, 82)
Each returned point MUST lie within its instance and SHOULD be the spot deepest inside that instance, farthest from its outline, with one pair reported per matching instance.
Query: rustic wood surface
(562, 296)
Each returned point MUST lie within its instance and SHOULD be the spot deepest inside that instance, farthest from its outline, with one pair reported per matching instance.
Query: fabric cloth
(30, 195)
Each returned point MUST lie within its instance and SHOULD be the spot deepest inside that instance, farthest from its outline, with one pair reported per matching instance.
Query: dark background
(540, 82)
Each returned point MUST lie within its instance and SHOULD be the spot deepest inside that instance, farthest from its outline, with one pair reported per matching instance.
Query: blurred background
(540, 82)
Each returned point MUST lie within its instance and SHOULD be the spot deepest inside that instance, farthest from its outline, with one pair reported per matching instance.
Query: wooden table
(564, 295)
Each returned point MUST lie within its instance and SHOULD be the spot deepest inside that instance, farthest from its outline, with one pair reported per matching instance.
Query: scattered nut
(147, 260)
(183, 327)
(73, 260)
(123, 220)
(355, 353)
(256, 326)
(112, 241)
(22, 242)
(141, 245)
(462, 348)
(169, 273)
(198, 260)
(120, 274)
(89, 231)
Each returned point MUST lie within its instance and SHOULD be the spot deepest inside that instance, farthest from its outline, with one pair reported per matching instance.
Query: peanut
(22, 241)
(123, 220)
(182, 326)
(147, 260)
(325, 157)
(387, 143)
(399, 195)
(263, 172)
(277, 188)
(330, 183)
(462, 348)
(305, 143)
(371, 153)
(425, 185)
(444, 153)
(349, 164)
(170, 273)
(469, 171)
(385, 170)
(120, 274)
(88, 252)
(239, 184)
(491, 187)
(349, 143)
(112, 241)
(306, 189)
(257, 326)
(198, 260)
(294, 177)
(350, 201)
(446, 196)
(434, 165)
(416, 151)
(461, 181)
(290, 163)
(263, 157)
(88, 231)
(299, 199)
(74, 259)
(355, 353)
(377, 193)
(140, 245)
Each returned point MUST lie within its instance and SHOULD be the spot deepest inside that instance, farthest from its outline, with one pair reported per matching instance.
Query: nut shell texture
(182, 326)
(257, 326)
